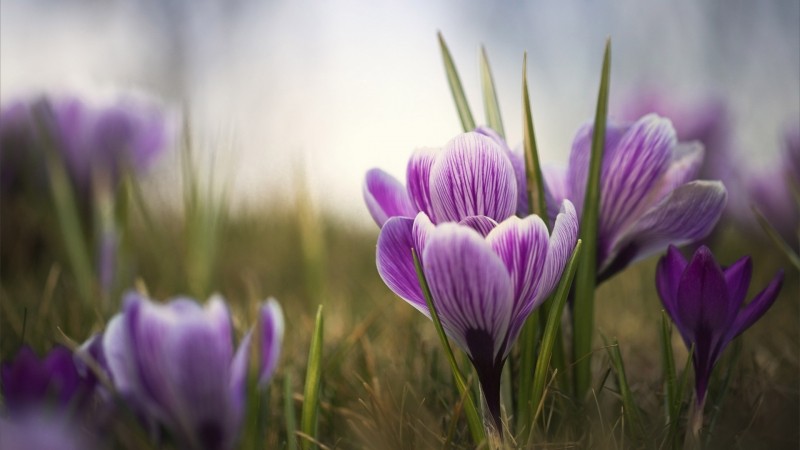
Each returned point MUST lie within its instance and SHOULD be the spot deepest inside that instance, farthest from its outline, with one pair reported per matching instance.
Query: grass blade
(586, 279)
(782, 245)
(533, 169)
(677, 402)
(476, 427)
(467, 122)
(289, 413)
(552, 330)
(668, 368)
(308, 420)
(633, 415)
(491, 104)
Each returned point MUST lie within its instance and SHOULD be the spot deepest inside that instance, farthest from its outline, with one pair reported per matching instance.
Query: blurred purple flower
(30, 383)
(705, 303)
(485, 278)
(647, 197)
(175, 363)
(704, 119)
(43, 431)
(772, 191)
(472, 175)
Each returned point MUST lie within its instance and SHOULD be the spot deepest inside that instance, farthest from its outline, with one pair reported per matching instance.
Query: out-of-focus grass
(385, 381)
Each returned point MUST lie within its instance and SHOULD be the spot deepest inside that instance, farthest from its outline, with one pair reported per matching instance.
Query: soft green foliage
(308, 420)
(585, 281)
(491, 104)
(460, 99)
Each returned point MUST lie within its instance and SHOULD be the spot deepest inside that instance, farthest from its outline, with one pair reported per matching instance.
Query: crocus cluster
(486, 268)
(649, 197)
(176, 365)
(705, 301)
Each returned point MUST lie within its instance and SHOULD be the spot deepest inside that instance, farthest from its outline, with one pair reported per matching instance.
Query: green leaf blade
(310, 411)
(491, 104)
(460, 99)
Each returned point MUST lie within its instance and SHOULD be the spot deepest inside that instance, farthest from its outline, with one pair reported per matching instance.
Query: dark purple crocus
(43, 430)
(177, 365)
(706, 303)
(472, 175)
(30, 383)
(485, 278)
(649, 197)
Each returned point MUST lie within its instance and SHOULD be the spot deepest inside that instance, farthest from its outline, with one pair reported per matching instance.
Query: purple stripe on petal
(470, 285)
(418, 179)
(517, 161)
(757, 307)
(482, 224)
(578, 167)
(562, 243)
(631, 170)
(522, 245)
(396, 264)
(386, 197)
(472, 177)
(686, 162)
(421, 230)
(686, 215)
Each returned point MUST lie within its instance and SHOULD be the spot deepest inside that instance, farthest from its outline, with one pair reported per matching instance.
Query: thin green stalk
(585, 282)
(551, 331)
(491, 103)
(289, 413)
(668, 369)
(631, 411)
(474, 421)
(460, 99)
(308, 420)
(773, 234)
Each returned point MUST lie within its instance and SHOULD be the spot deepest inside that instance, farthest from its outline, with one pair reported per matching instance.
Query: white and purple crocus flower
(486, 268)
(706, 303)
(176, 364)
(649, 197)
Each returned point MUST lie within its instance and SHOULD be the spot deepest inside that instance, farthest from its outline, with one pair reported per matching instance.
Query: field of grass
(385, 382)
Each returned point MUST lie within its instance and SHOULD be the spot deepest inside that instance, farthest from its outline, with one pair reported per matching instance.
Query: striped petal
(418, 179)
(472, 177)
(396, 264)
(386, 197)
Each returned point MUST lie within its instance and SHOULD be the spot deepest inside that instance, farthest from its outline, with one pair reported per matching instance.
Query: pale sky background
(338, 87)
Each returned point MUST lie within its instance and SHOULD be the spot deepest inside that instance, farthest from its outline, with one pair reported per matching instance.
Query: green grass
(386, 381)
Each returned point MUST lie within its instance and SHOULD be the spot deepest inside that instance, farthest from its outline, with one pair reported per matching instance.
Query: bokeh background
(329, 89)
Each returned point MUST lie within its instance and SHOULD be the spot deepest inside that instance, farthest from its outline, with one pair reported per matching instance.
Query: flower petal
(668, 277)
(386, 197)
(418, 179)
(522, 245)
(685, 165)
(518, 162)
(481, 224)
(471, 288)
(472, 177)
(630, 172)
(562, 243)
(579, 158)
(758, 306)
(703, 301)
(555, 189)
(737, 276)
(396, 264)
(686, 215)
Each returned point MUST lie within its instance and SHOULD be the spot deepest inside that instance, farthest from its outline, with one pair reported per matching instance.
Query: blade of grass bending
(491, 104)
(631, 411)
(308, 420)
(474, 421)
(716, 406)
(773, 234)
(552, 330)
(677, 402)
(460, 99)
(586, 279)
(289, 413)
(668, 368)
(66, 208)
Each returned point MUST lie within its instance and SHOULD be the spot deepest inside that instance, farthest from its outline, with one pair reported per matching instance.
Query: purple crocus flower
(31, 383)
(647, 197)
(472, 175)
(43, 431)
(485, 278)
(176, 364)
(705, 303)
(705, 119)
